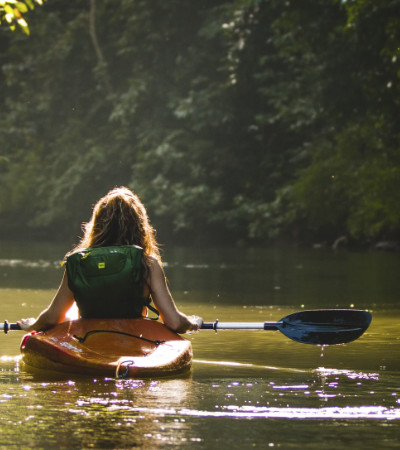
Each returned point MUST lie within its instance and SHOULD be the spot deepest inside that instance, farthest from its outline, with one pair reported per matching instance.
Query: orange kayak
(109, 347)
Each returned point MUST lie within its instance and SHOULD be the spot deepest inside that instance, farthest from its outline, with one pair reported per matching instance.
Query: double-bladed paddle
(318, 327)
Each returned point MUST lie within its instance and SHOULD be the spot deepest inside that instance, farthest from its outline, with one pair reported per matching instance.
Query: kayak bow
(109, 347)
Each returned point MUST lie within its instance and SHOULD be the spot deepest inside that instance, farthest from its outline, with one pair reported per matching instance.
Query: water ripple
(40, 264)
(247, 412)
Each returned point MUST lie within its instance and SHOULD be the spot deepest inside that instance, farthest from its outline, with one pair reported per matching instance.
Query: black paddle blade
(325, 326)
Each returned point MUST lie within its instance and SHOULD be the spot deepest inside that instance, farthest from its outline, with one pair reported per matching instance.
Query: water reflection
(323, 372)
(364, 412)
(290, 391)
(22, 263)
(244, 366)
(127, 413)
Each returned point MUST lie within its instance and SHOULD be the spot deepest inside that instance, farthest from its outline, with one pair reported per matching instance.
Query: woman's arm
(54, 313)
(165, 304)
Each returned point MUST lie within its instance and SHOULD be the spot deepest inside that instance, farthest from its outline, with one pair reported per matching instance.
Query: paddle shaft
(266, 326)
(206, 326)
(271, 326)
(241, 325)
(318, 327)
(6, 327)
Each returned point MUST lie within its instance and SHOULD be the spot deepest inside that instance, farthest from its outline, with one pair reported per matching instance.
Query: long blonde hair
(120, 218)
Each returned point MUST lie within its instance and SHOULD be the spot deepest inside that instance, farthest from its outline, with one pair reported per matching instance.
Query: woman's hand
(195, 323)
(27, 324)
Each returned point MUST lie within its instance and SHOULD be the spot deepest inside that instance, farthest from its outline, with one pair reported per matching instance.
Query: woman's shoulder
(155, 266)
(154, 261)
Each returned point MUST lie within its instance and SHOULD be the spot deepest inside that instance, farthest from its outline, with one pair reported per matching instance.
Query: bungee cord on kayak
(83, 339)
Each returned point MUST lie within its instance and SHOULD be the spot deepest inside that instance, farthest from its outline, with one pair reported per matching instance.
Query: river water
(247, 389)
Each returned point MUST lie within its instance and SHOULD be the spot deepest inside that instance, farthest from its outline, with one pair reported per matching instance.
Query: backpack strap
(153, 309)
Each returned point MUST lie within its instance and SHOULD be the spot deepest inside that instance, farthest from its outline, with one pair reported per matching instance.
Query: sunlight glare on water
(246, 388)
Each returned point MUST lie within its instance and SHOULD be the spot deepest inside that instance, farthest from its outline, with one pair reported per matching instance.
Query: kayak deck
(109, 347)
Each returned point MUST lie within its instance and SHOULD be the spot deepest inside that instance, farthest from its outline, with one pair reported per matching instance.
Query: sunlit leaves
(12, 11)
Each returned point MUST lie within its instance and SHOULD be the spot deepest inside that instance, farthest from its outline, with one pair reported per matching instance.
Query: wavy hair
(120, 218)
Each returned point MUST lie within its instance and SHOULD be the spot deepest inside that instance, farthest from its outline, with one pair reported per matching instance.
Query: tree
(233, 120)
(352, 183)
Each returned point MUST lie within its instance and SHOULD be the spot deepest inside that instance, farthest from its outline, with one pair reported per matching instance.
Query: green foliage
(244, 120)
(12, 13)
(353, 185)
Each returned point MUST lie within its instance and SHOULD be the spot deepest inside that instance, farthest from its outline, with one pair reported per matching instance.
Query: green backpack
(107, 282)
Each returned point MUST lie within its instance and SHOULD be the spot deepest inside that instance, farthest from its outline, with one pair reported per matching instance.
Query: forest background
(243, 121)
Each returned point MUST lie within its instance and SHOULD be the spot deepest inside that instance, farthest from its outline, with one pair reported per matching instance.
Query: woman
(118, 231)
